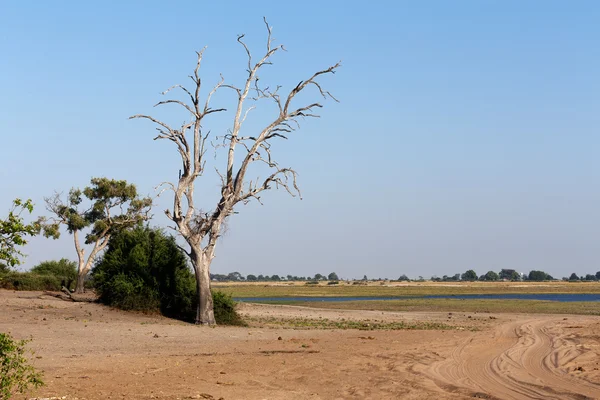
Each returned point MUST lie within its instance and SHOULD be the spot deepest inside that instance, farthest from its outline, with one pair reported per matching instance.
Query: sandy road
(542, 357)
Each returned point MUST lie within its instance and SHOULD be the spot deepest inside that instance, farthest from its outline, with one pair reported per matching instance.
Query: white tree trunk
(204, 313)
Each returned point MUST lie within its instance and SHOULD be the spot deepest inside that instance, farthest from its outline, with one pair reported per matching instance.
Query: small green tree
(538, 276)
(333, 277)
(573, 277)
(469, 275)
(16, 374)
(491, 276)
(14, 232)
(113, 205)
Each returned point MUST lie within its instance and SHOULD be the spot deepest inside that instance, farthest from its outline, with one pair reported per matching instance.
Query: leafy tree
(538, 276)
(251, 278)
(235, 277)
(112, 206)
(598, 275)
(64, 269)
(201, 229)
(469, 275)
(515, 276)
(16, 373)
(275, 278)
(14, 233)
(333, 277)
(491, 276)
(319, 277)
(590, 277)
(403, 278)
(573, 277)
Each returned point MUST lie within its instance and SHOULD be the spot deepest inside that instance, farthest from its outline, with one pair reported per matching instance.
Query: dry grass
(385, 289)
(470, 305)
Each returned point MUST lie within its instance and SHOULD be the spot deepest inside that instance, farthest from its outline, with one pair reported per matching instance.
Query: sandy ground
(88, 351)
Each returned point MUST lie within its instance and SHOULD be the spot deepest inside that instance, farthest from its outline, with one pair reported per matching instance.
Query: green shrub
(144, 269)
(16, 374)
(65, 270)
(333, 283)
(225, 313)
(312, 283)
(29, 281)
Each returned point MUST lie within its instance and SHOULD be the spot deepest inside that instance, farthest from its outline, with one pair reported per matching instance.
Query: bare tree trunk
(204, 313)
(80, 282)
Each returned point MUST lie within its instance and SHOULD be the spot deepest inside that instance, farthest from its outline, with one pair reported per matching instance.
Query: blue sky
(467, 133)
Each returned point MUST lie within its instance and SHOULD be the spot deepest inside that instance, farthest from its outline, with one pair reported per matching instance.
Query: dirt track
(91, 352)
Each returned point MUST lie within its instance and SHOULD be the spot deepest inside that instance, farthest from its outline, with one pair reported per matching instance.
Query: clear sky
(467, 136)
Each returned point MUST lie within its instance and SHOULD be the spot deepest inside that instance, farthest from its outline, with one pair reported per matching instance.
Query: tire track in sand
(524, 359)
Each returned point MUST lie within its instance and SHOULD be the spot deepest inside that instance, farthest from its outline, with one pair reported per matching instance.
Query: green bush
(144, 269)
(65, 270)
(225, 313)
(16, 374)
(29, 281)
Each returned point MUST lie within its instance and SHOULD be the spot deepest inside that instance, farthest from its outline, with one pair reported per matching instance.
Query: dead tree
(201, 230)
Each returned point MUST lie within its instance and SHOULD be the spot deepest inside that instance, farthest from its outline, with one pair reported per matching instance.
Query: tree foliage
(14, 233)
(538, 276)
(104, 208)
(491, 276)
(16, 373)
(143, 269)
(469, 275)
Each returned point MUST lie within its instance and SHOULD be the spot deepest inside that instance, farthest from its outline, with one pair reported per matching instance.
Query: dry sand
(88, 351)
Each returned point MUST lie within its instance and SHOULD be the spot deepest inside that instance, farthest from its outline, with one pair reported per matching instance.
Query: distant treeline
(469, 276)
(237, 277)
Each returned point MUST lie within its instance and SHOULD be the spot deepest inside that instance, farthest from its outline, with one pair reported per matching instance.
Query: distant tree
(403, 278)
(573, 277)
(365, 278)
(469, 275)
(112, 207)
(260, 278)
(537, 276)
(251, 278)
(275, 278)
(14, 233)
(590, 277)
(507, 274)
(598, 275)
(319, 277)
(515, 276)
(333, 277)
(491, 276)
(235, 277)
